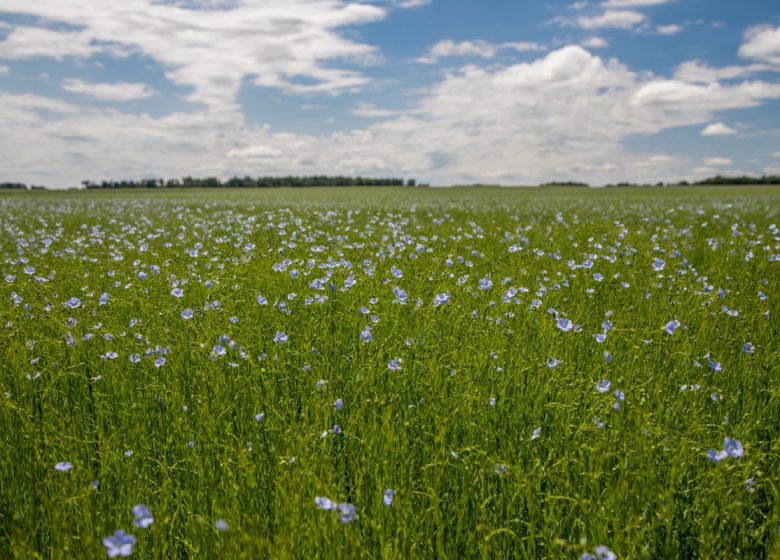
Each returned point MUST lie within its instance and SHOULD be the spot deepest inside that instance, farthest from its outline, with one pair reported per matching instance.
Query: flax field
(390, 373)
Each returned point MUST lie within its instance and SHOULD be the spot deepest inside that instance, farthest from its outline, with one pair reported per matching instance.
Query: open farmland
(419, 373)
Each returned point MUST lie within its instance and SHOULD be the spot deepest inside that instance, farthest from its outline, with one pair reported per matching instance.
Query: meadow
(390, 373)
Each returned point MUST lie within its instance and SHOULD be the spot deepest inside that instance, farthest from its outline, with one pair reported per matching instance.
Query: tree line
(713, 181)
(347, 181)
(252, 182)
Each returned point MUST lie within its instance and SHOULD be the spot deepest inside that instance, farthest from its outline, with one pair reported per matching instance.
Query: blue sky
(446, 91)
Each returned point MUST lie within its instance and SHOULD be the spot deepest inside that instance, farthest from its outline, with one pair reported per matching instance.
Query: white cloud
(718, 129)
(776, 154)
(563, 116)
(772, 170)
(4, 69)
(633, 3)
(372, 111)
(762, 43)
(522, 46)
(718, 161)
(255, 152)
(120, 91)
(32, 42)
(698, 72)
(595, 43)
(448, 48)
(412, 3)
(287, 45)
(671, 29)
(622, 19)
(676, 95)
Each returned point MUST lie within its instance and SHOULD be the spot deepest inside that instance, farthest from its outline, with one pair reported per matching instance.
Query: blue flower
(110, 355)
(221, 524)
(280, 337)
(159, 362)
(336, 429)
(394, 364)
(365, 334)
(716, 456)
(658, 265)
(441, 299)
(135, 358)
(325, 503)
(73, 303)
(400, 294)
(143, 517)
(600, 337)
(339, 404)
(537, 433)
(671, 326)
(63, 466)
(187, 314)
(177, 292)
(396, 272)
(714, 366)
(564, 324)
(603, 385)
(733, 447)
(604, 553)
(748, 348)
(553, 362)
(388, 497)
(119, 544)
(347, 513)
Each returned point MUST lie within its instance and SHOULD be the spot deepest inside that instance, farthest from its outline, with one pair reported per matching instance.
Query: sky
(512, 92)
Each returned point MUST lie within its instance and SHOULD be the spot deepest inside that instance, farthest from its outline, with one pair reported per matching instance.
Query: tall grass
(230, 451)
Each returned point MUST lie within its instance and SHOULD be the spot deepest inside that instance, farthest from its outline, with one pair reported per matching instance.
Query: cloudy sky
(445, 91)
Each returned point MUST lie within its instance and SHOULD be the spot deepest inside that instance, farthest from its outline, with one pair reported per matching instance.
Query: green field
(527, 373)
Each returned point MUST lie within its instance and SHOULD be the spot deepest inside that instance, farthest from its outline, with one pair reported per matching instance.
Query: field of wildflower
(390, 373)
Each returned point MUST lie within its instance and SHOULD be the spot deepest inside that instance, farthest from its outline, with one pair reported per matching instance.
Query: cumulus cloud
(372, 111)
(287, 45)
(562, 116)
(762, 43)
(412, 3)
(676, 95)
(633, 3)
(718, 161)
(595, 43)
(34, 42)
(448, 48)
(119, 91)
(718, 129)
(255, 152)
(671, 29)
(699, 72)
(621, 19)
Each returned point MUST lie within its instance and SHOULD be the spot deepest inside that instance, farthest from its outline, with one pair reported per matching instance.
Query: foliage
(397, 373)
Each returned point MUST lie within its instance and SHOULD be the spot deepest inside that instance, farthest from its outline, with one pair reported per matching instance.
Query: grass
(450, 433)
